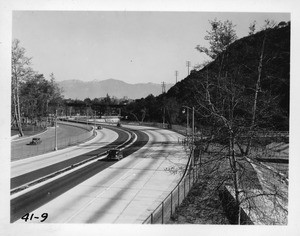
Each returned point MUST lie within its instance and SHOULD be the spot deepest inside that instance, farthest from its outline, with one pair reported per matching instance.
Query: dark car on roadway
(99, 127)
(114, 154)
(35, 141)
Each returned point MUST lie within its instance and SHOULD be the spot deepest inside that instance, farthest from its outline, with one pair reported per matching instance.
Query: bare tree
(221, 99)
(257, 89)
(228, 167)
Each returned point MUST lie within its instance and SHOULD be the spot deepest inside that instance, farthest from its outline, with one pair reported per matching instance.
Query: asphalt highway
(36, 174)
(37, 197)
(125, 192)
(65, 133)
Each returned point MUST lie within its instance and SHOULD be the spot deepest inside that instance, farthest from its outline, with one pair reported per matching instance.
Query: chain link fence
(268, 144)
(168, 206)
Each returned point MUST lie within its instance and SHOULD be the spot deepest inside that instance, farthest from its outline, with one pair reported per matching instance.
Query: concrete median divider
(131, 139)
(87, 127)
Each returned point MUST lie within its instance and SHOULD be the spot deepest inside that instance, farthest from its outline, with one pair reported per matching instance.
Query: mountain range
(77, 89)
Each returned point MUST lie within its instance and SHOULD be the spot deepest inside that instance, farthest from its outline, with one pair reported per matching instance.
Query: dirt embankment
(204, 206)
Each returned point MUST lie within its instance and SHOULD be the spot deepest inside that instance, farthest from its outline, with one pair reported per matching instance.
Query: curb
(14, 138)
(68, 169)
(270, 168)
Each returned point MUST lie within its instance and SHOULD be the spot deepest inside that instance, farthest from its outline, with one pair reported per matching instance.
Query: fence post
(151, 218)
(184, 188)
(178, 194)
(189, 180)
(162, 212)
(171, 203)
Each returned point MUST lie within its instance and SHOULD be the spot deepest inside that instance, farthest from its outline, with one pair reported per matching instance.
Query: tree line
(33, 95)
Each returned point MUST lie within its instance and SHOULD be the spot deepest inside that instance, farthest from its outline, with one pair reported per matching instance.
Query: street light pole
(193, 121)
(87, 121)
(164, 111)
(187, 121)
(94, 121)
(55, 148)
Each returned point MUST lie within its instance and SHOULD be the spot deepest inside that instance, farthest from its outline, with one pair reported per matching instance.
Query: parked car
(114, 154)
(35, 141)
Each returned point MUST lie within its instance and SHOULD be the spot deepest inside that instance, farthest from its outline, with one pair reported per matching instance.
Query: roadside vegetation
(33, 96)
(240, 98)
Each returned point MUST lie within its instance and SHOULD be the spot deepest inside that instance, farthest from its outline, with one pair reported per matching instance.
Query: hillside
(96, 89)
(239, 65)
(233, 76)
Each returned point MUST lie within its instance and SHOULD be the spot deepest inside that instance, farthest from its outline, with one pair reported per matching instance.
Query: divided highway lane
(103, 138)
(125, 192)
(20, 149)
(46, 169)
(37, 197)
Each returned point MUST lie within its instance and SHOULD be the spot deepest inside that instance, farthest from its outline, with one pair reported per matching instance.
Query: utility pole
(188, 64)
(163, 87)
(193, 126)
(55, 148)
(176, 74)
(187, 121)
(187, 118)
(87, 119)
(164, 113)
(94, 122)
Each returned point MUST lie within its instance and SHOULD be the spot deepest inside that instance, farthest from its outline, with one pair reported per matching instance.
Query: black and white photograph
(132, 117)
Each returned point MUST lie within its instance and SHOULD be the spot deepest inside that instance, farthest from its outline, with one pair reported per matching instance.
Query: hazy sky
(130, 46)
